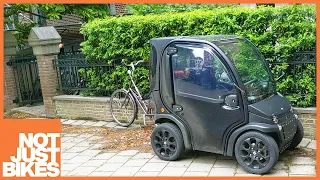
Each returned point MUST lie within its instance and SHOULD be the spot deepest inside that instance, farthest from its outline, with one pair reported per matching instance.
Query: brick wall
(121, 9)
(308, 118)
(97, 108)
(10, 90)
(78, 107)
(48, 80)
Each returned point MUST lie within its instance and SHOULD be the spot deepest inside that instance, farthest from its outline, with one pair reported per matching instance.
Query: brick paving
(81, 157)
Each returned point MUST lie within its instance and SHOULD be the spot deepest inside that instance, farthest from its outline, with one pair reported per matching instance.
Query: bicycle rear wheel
(123, 107)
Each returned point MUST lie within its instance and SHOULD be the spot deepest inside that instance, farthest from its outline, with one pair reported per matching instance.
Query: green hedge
(278, 32)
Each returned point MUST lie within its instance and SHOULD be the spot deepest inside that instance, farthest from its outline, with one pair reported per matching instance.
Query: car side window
(199, 73)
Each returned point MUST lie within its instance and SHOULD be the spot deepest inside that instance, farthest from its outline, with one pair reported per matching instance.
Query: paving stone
(281, 165)
(150, 173)
(222, 172)
(200, 167)
(88, 123)
(70, 135)
(82, 171)
(64, 173)
(126, 171)
(150, 166)
(205, 159)
(67, 156)
(77, 140)
(100, 123)
(195, 173)
(94, 138)
(128, 153)
(312, 145)
(157, 159)
(303, 160)
(278, 172)
(96, 146)
(240, 170)
(109, 167)
(101, 173)
(68, 122)
(111, 124)
(117, 158)
(225, 163)
(66, 138)
(104, 156)
(86, 136)
(79, 159)
(69, 167)
(90, 152)
(292, 175)
(67, 145)
(247, 175)
(304, 143)
(84, 144)
(305, 170)
(76, 149)
(94, 163)
(78, 122)
(136, 162)
(173, 171)
(180, 163)
(143, 156)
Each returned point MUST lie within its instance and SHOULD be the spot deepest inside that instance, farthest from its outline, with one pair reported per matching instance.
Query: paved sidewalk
(81, 156)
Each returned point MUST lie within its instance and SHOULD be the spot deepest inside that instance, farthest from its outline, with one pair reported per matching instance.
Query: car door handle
(226, 107)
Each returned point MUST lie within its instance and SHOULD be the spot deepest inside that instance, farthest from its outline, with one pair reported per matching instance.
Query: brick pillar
(10, 90)
(45, 41)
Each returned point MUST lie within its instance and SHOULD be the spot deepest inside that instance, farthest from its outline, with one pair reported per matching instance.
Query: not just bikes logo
(36, 156)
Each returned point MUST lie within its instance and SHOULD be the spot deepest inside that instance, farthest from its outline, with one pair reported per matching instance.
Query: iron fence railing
(299, 66)
(26, 77)
(73, 68)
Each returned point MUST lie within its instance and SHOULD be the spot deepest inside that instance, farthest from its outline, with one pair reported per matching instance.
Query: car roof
(210, 38)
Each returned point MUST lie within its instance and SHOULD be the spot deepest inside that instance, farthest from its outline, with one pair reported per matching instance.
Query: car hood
(274, 105)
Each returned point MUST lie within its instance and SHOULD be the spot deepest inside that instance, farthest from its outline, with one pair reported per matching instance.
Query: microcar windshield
(251, 67)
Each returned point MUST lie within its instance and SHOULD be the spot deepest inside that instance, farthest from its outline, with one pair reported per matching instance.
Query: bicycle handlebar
(131, 64)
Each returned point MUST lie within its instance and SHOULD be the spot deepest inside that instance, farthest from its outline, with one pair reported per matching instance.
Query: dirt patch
(299, 152)
(116, 139)
(19, 115)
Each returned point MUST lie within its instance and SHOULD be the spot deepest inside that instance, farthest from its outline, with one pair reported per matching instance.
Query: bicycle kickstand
(144, 119)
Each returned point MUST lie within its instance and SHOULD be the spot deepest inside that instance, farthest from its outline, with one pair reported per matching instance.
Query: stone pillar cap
(9, 39)
(44, 40)
(43, 35)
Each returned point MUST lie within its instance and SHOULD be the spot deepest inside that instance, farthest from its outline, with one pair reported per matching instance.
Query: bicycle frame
(136, 94)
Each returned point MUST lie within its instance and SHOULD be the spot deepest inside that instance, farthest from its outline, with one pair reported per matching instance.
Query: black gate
(27, 79)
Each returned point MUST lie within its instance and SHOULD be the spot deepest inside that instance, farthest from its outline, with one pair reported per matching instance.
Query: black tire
(123, 107)
(167, 141)
(256, 153)
(297, 138)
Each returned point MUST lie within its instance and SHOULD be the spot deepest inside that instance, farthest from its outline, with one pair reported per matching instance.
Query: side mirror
(231, 100)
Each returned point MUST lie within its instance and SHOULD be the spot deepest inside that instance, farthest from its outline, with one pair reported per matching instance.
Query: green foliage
(277, 32)
(143, 9)
(52, 11)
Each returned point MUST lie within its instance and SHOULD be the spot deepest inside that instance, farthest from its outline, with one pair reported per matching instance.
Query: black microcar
(216, 94)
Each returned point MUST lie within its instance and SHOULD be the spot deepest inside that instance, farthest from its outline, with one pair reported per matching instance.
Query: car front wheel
(256, 152)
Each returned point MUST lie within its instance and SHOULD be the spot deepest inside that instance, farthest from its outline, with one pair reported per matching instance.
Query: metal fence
(299, 65)
(26, 76)
(73, 70)
(72, 81)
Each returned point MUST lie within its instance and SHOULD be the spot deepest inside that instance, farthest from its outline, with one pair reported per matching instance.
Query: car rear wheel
(167, 141)
(256, 153)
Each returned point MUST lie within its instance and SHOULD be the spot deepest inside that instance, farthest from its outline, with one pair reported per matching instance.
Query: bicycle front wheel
(123, 107)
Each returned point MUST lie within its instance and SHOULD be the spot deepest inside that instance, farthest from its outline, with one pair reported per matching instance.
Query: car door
(201, 83)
